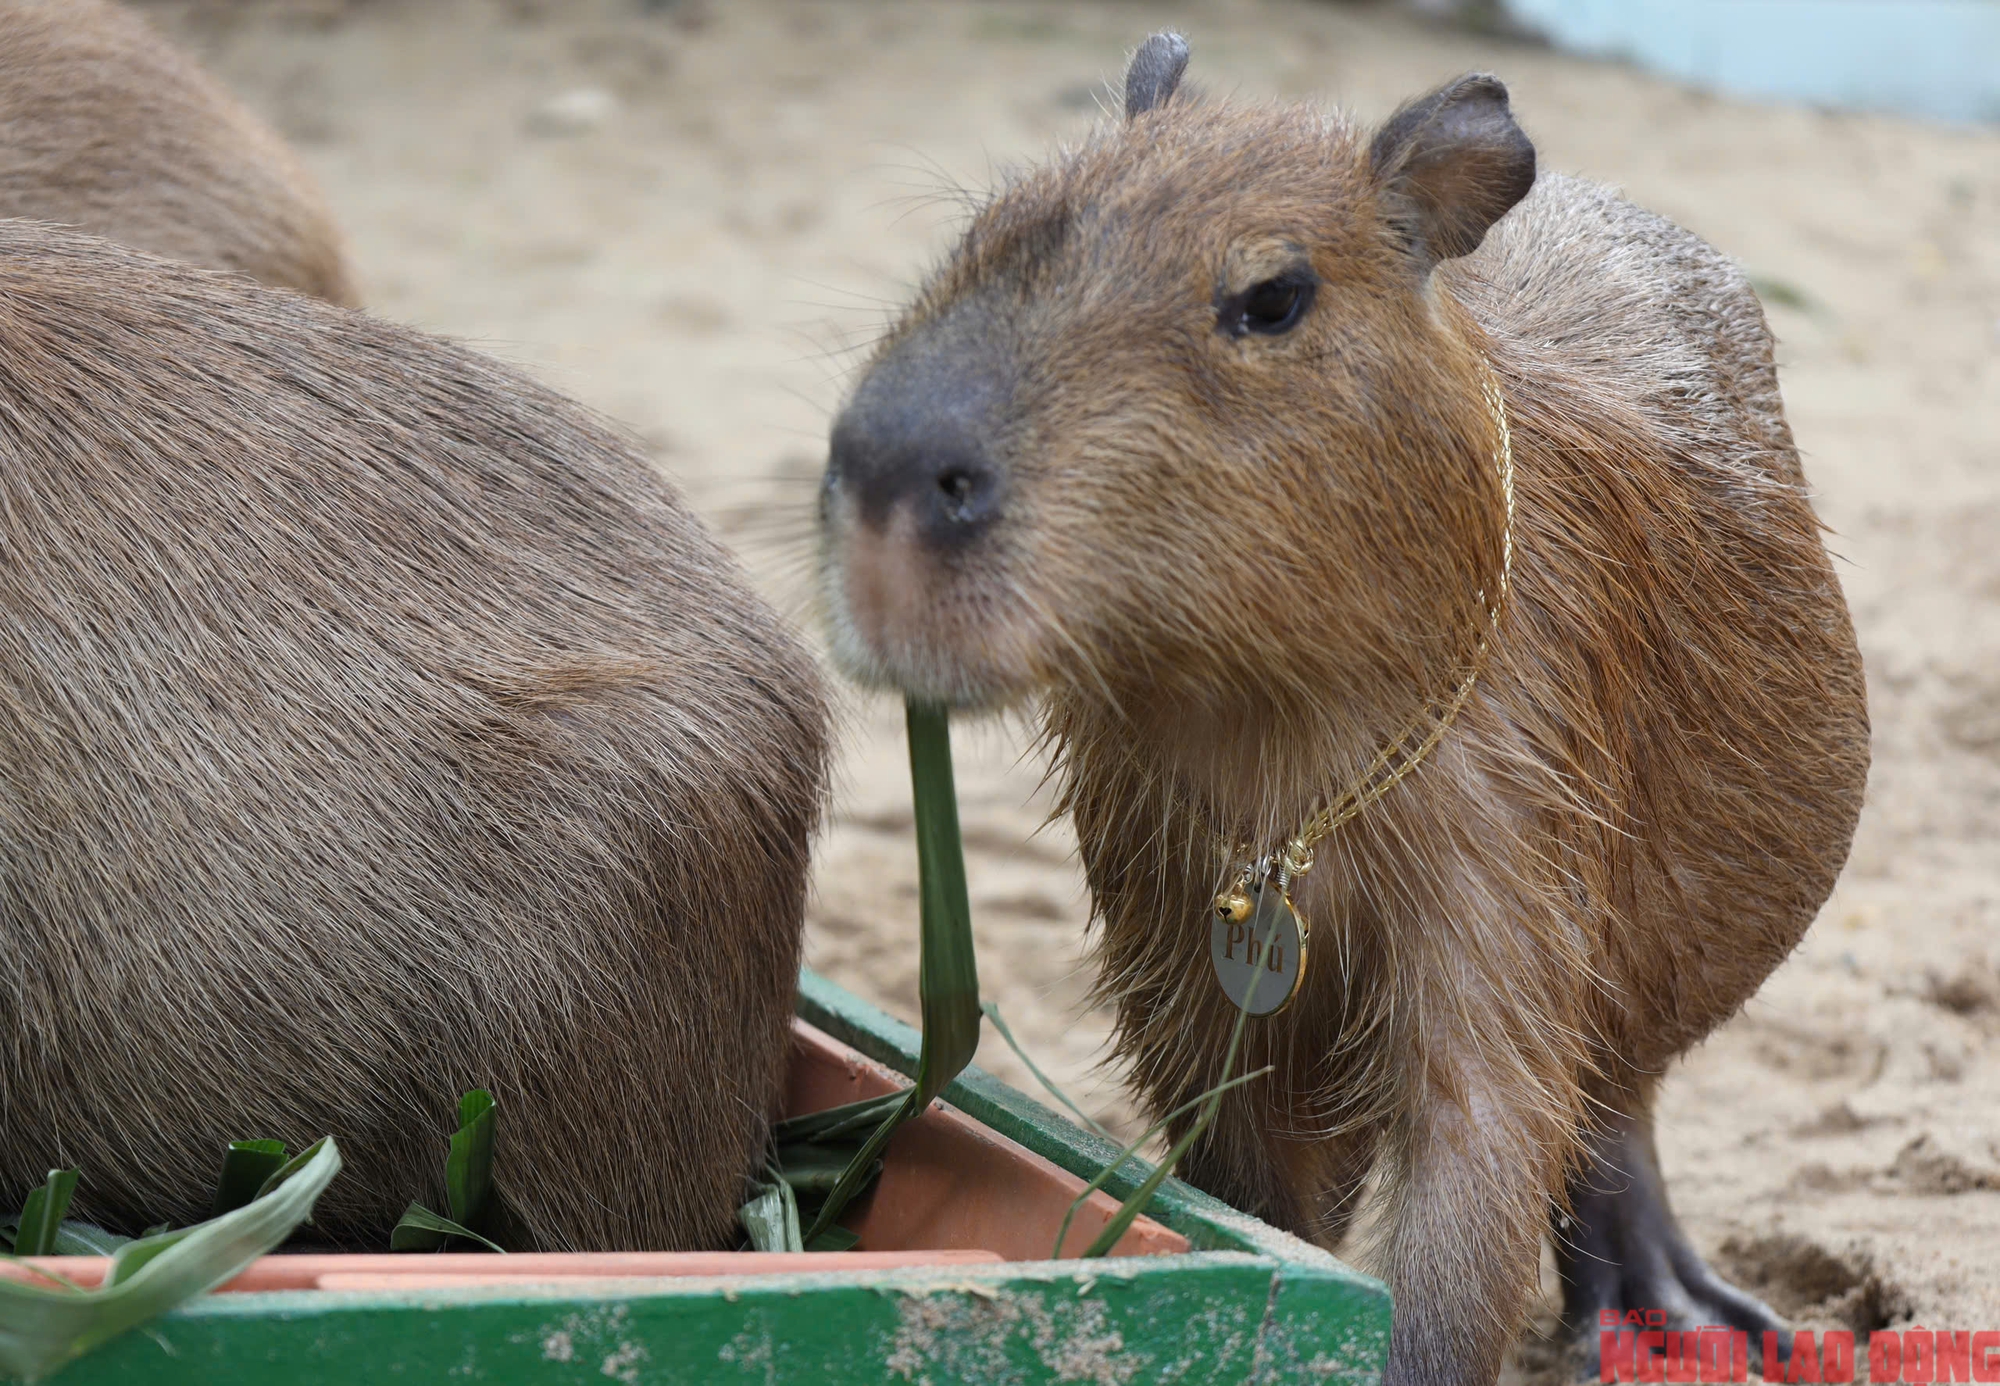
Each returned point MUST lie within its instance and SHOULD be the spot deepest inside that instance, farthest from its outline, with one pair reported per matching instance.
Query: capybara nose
(916, 439)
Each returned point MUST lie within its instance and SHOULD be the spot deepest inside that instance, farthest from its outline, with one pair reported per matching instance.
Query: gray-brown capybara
(375, 724)
(107, 127)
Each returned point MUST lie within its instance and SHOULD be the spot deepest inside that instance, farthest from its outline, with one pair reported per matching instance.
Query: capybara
(1297, 470)
(106, 127)
(375, 724)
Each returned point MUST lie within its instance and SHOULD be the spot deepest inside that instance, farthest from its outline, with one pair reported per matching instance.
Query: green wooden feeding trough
(1196, 1292)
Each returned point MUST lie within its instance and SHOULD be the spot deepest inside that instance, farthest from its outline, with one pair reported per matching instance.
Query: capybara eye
(1269, 308)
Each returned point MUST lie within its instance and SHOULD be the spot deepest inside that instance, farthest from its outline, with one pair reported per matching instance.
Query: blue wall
(1937, 58)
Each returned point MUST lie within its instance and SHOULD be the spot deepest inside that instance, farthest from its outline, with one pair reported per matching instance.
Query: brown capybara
(106, 127)
(375, 724)
(1244, 440)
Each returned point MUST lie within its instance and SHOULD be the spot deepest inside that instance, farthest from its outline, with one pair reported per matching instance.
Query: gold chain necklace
(1248, 913)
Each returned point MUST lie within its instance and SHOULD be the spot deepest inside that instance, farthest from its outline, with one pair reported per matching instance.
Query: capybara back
(374, 724)
(106, 127)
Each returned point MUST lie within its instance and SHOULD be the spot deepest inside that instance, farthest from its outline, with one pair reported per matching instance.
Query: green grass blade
(947, 975)
(43, 1213)
(43, 1327)
(992, 1012)
(1104, 1175)
(833, 1239)
(832, 1123)
(817, 1168)
(245, 1168)
(133, 1256)
(419, 1229)
(292, 1166)
(1130, 1208)
(468, 1170)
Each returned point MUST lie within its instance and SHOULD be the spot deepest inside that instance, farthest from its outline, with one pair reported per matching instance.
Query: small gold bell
(1232, 905)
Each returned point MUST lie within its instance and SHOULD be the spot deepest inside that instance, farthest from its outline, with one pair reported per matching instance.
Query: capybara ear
(1450, 165)
(1155, 73)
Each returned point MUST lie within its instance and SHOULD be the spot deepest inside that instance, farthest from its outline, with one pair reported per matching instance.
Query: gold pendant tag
(1235, 942)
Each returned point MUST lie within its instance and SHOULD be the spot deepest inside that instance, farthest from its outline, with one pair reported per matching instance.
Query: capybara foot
(1622, 1253)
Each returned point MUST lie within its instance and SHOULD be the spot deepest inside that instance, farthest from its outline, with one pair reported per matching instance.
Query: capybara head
(1181, 420)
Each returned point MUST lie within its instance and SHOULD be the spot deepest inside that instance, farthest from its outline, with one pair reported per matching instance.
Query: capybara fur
(1189, 440)
(375, 724)
(107, 127)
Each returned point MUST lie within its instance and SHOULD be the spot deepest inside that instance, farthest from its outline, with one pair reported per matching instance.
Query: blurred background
(694, 216)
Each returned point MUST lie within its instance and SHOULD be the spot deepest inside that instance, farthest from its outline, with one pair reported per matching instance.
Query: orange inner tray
(949, 1182)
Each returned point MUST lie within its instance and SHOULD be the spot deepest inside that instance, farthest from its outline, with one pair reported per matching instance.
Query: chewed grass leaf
(419, 1229)
(947, 975)
(42, 1214)
(246, 1167)
(468, 1170)
(43, 1326)
(134, 1256)
(477, 1215)
(772, 1219)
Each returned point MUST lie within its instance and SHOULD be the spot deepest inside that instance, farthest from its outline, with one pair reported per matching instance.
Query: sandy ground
(697, 248)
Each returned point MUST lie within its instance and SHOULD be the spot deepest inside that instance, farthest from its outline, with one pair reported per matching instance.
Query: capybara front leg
(1468, 1185)
(1621, 1250)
